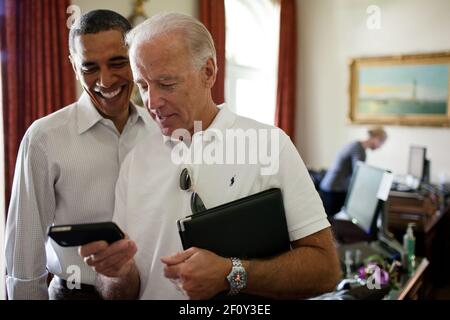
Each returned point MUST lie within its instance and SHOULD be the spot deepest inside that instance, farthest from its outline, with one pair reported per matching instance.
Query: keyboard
(400, 187)
(386, 250)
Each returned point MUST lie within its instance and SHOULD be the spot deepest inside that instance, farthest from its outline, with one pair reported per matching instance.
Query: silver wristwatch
(237, 278)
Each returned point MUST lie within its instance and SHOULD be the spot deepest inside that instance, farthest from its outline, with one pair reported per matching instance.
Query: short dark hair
(96, 21)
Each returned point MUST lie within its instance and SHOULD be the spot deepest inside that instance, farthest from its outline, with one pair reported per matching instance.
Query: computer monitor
(363, 203)
(417, 163)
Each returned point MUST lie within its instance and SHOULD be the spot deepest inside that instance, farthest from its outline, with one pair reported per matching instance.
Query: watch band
(237, 277)
(236, 262)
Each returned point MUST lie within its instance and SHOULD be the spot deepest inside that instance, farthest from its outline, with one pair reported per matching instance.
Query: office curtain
(287, 69)
(212, 15)
(36, 73)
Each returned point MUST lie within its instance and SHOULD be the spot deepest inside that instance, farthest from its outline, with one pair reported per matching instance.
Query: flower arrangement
(379, 272)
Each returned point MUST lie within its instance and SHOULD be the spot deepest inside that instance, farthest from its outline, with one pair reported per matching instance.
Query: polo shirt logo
(232, 181)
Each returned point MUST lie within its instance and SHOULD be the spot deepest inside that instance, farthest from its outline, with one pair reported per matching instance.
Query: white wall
(124, 7)
(333, 31)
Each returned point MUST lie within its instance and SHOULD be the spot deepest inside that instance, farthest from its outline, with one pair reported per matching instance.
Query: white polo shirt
(149, 200)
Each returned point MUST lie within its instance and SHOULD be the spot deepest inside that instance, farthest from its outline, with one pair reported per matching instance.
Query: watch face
(239, 279)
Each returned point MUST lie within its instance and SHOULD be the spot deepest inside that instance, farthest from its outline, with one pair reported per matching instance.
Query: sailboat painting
(404, 91)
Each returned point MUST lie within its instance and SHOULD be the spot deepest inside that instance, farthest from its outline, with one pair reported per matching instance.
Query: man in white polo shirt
(162, 180)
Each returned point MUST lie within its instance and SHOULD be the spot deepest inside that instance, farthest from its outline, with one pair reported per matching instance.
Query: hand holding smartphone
(81, 234)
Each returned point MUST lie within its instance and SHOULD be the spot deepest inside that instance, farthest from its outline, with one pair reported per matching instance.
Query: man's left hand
(200, 273)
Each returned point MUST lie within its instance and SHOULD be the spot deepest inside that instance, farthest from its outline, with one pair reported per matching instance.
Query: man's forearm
(300, 273)
(123, 288)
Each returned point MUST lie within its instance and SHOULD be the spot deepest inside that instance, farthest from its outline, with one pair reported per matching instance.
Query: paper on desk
(385, 186)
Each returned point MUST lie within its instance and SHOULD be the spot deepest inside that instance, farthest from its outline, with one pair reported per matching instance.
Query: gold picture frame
(410, 90)
(138, 15)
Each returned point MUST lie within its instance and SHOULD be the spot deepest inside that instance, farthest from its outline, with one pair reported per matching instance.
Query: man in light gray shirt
(334, 186)
(69, 161)
(338, 175)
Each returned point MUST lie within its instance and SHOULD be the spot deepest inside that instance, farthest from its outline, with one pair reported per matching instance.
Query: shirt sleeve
(357, 155)
(31, 211)
(304, 210)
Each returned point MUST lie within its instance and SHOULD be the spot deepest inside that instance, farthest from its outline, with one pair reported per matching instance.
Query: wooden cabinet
(431, 233)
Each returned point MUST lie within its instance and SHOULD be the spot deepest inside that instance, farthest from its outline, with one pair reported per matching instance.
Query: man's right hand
(114, 261)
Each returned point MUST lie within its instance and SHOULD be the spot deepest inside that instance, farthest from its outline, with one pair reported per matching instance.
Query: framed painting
(410, 90)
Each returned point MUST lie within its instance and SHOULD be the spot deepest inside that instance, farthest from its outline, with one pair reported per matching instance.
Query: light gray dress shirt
(66, 171)
(338, 176)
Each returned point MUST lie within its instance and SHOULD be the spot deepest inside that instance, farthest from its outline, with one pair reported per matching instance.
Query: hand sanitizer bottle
(409, 244)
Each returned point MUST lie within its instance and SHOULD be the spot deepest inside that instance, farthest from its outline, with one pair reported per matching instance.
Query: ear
(209, 73)
(72, 62)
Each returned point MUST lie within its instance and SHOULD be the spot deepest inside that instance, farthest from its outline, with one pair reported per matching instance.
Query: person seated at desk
(334, 186)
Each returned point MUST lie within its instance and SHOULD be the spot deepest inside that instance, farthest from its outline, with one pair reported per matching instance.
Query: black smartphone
(81, 234)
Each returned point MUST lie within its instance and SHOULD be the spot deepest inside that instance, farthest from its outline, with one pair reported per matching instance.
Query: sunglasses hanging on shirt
(187, 185)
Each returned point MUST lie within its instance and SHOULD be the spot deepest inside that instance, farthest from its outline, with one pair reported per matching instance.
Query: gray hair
(198, 38)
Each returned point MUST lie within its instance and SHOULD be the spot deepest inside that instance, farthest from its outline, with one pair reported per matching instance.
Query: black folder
(251, 227)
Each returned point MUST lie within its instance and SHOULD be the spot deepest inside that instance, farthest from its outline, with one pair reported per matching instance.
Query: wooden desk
(431, 231)
(404, 208)
(411, 286)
